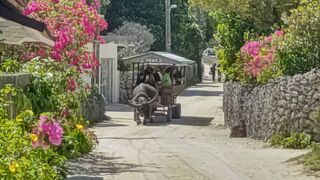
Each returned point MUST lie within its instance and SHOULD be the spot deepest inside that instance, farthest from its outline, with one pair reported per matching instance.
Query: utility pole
(168, 24)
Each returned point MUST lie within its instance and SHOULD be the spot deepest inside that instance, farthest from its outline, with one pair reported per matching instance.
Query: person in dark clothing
(141, 78)
(213, 72)
(152, 78)
(177, 77)
(157, 77)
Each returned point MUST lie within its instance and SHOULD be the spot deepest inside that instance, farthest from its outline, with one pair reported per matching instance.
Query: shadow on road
(111, 123)
(119, 108)
(201, 93)
(205, 85)
(185, 120)
(98, 164)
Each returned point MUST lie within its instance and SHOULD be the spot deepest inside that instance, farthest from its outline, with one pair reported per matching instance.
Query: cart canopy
(159, 58)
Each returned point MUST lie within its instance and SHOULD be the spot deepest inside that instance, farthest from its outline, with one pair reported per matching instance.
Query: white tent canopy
(16, 28)
(14, 33)
(159, 57)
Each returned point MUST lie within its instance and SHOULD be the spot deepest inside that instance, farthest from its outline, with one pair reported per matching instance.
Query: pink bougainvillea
(74, 24)
(259, 55)
(71, 84)
(252, 48)
(48, 132)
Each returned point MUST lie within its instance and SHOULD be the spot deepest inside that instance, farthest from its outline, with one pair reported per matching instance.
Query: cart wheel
(176, 111)
(144, 122)
(169, 114)
(173, 111)
(135, 115)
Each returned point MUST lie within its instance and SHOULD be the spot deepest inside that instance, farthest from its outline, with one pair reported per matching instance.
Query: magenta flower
(55, 135)
(65, 112)
(48, 132)
(31, 8)
(71, 84)
(268, 39)
(56, 55)
(252, 48)
(279, 33)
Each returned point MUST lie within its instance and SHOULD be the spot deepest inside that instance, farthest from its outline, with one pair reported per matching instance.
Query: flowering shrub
(258, 57)
(58, 89)
(230, 34)
(300, 51)
(78, 140)
(73, 23)
(18, 159)
(48, 132)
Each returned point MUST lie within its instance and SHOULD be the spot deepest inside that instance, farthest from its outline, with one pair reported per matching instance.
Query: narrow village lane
(197, 147)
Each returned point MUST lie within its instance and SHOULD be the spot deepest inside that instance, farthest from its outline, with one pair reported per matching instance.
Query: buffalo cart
(166, 104)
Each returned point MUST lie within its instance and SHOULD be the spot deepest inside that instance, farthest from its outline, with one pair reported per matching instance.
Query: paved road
(195, 147)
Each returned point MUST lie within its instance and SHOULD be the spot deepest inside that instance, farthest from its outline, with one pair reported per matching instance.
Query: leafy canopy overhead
(265, 13)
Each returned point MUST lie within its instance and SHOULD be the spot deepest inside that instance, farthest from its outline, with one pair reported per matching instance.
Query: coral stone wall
(284, 104)
(125, 86)
(18, 80)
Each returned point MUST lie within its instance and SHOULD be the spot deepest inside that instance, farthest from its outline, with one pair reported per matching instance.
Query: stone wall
(20, 80)
(125, 86)
(94, 108)
(285, 104)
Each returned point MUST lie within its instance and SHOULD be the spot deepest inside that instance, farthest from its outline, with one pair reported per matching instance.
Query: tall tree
(146, 12)
(265, 13)
(187, 37)
(144, 37)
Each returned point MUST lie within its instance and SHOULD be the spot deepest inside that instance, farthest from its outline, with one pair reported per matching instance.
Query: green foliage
(47, 91)
(77, 142)
(230, 34)
(293, 140)
(18, 160)
(12, 101)
(312, 159)
(300, 51)
(263, 13)
(270, 73)
(187, 37)
(10, 66)
(145, 12)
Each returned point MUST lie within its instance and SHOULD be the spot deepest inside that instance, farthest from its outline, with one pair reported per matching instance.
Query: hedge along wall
(20, 80)
(285, 104)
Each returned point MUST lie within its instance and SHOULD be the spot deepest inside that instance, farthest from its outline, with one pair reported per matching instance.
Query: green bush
(18, 160)
(312, 159)
(77, 142)
(293, 140)
(49, 93)
(10, 66)
(230, 34)
(300, 51)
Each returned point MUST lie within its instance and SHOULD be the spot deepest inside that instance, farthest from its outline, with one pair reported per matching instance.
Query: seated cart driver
(166, 78)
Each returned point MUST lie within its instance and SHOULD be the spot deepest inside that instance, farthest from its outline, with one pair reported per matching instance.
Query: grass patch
(312, 159)
(293, 140)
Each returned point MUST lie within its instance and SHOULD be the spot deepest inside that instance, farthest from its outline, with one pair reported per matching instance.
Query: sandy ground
(196, 147)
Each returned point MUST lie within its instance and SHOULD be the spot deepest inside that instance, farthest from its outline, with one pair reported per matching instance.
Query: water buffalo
(144, 98)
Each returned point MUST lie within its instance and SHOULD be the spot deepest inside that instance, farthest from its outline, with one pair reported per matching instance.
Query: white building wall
(109, 53)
